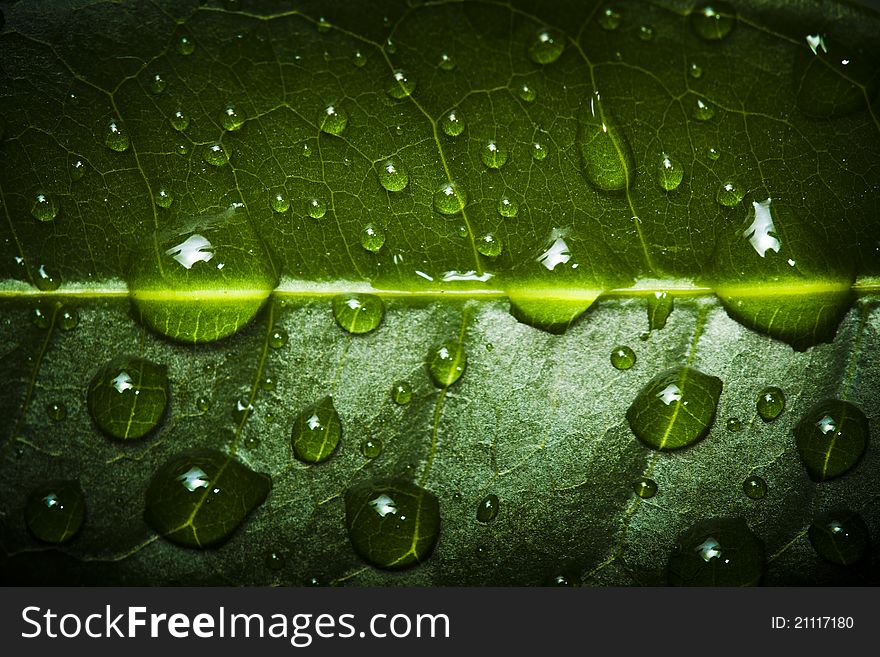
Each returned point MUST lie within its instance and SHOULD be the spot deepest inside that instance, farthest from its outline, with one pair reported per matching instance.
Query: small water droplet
(729, 194)
(390, 47)
(115, 138)
(128, 397)
(358, 313)
(157, 84)
(359, 59)
(539, 151)
(713, 153)
(547, 46)
(645, 488)
(278, 338)
(840, 536)
(372, 238)
(203, 404)
(734, 425)
(489, 245)
(241, 410)
(771, 402)
(42, 317)
(46, 279)
(401, 86)
(324, 25)
(280, 203)
(333, 120)
(622, 357)
(306, 150)
(527, 93)
(831, 438)
(164, 199)
(507, 207)
(401, 392)
(185, 45)
(446, 363)
(605, 152)
(669, 173)
(371, 448)
(487, 509)
(179, 120)
(646, 32)
(77, 167)
(68, 319)
(714, 20)
(316, 208)
(216, 155)
(44, 208)
(55, 511)
(660, 307)
(717, 552)
(268, 384)
(56, 411)
(393, 175)
(695, 70)
(452, 123)
(274, 561)
(316, 432)
(450, 198)
(231, 118)
(702, 110)
(609, 19)
(755, 487)
(494, 155)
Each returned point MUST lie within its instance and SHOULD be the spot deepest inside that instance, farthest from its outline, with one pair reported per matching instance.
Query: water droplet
(55, 511)
(489, 245)
(268, 384)
(128, 397)
(840, 536)
(734, 425)
(463, 232)
(390, 47)
(360, 59)
(198, 498)
(452, 123)
(660, 307)
(729, 194)
(277, 338)
(324, 25)
(392, 523)
(546, 46)
(669, 173)
(645, 488)
(446, 363)
(507, 207)
(280, 203)
(447, 62)
(713, 153)
(755, 488)
(622, 357)
(164, 199)
(77, 167)
(157, 84)
(316, 208)
(371, 448)
(46, 279)
(185, 45)
(316, 432)
(358, 313)
(56, 411)
(695, 70)
(115, 138)
(771, 401)
(401, 392)
(216, 155)
(179, 120)
(42, 317)
(307, 150)
(401, 85)
(646, 32)
(68, 319)
(231, 119)
(487, 509)
(203, 404)
(241, 410)
(831, 438)
(333, 120)
(494, 155)
(450, 198)
(702, 110)
(675, 408)
(274, 561)
(372, 238)
(527, 93)
(714, 20)
(539, 152)
(393, 176)
(44, 208)
(606, 154)
(717, 552)
(609, 19)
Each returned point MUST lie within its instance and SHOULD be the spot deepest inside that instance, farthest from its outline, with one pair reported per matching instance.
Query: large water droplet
(487, 509)
(358, 313)
(372, 238)
(128, 397)
(393, 175)
(546, 46)
(717, 552)
(316, 432)
(316, 208)
(453, 123)
(44, 208)
(714, 20)
(771, 401)
(675, 408)
(55, 511)
(660, 307)
(47, 279)
(730, 194)
(392, 523)
(755, 488)
(622, 357)
(831, 438)
(401, 86)
(280, 202)
(489, 245)
(115, 138)
(333, 120)
(446, 363)
(216, 155)
(645, 488)
(669, 173)
(493, 154)
(450, 198)
(605, 152)
(841, 537)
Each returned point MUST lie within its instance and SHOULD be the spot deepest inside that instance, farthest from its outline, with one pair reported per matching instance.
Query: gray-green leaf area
(445, 222)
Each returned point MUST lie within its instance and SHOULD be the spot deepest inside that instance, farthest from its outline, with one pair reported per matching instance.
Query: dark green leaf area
(392, 523)
(203, 279)
(198, 498)
(675, 408)
(128, 397)
(717, 552)
(840, 537)
(55, 511)
(316, 432)
(831, 438)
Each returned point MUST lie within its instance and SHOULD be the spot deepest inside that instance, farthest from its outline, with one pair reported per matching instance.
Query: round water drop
(164, 199)
(401, 393)
(278, 338)
(734, 425)
(527, 93)
(695, 70)
(489, 245)
(216, 155)
(463, 231)
(669, 173)
(358, 313)
(307, 150)
(755, 488)
(44, 208)
(702, 110)
(157, 84)
(507, 207)
(450, 198)
(447, 62)
(446, 363)
(316, 432)
(77, 167)
(280, 203)
(609, 19)
(713, 153)
(841, 537)
(729, 194)
(316, 208)
(179, 120)
(268, 384)
(546, 46)
(831, 438)
(46, 279)
(185, 45)
(241, 410)
(390, 47)
(333, 120)
(646, 32)
(401, 85)
(605, 152)
(771, 402)
(56, 411)
(274, 560)
(231, 119)
(55, 511)
(359, 59)
(128, 397)
(203, 404)
(68, 319)
(487, 509)
(42, 317)
(452, 123)
(622, 357)
(645, 488)
(324, 25)
(115, 138)
(372, 238)
(393, 176)
(494, 155)
(714, 20)
(539, 151)
(371, 448)
(717, 552)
